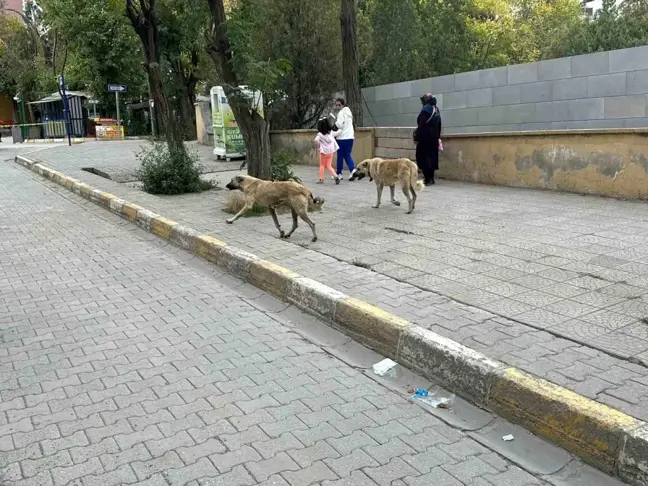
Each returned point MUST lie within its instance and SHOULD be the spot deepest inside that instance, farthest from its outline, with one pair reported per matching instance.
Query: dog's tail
(417, 184)
(317, 201)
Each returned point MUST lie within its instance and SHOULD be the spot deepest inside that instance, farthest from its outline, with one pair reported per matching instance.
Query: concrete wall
(602, 90)
(611, 162)
(301, 142)
(204, 129)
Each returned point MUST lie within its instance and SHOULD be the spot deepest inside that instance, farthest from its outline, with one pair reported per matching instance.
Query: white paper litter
(508, 438)
(384, 367)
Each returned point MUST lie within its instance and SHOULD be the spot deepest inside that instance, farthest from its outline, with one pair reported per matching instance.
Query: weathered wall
(204, 130)
(610, 162)
(301, 142)
(602, 90)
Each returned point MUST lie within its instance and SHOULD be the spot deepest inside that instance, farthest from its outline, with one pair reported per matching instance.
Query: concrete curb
(606, 438)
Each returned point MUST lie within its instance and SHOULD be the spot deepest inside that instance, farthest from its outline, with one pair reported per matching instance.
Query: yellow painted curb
(105, 198)
(271, 277)
(209, 248)
(58, 177)
(162, 227)
(85, 190)
(68, 183)
(370, 325)
(590, 429)
(129, 211)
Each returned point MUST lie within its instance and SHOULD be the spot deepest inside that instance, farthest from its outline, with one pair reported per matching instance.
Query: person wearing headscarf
(426, 137)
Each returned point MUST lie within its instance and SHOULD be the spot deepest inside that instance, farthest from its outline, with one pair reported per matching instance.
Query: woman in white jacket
(345, 136)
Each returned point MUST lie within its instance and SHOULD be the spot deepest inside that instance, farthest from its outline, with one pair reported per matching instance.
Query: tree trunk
(258, 148)
(185, 100)
(144, 21)
(186, 81)
(188, 114)
(166, 126)
(254, 128)
(350, 60)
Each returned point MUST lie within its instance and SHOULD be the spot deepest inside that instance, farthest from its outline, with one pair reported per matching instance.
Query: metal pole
(152, 116)
(66, 110)
(118, 119)
(22, 119)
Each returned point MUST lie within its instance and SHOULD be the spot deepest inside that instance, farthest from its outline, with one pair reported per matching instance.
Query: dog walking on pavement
(388, 172)
(272, 194)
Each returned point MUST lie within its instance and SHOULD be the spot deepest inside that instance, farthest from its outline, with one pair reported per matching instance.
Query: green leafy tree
(613, 27)
(409, 39)
(350, 63)
(397, 41)
(18, 53)
(182, 27)
(546, 28)
(412, 39)
(166, 169)
(237, 65)
(103, 47)
(289, 50)
(143, 15)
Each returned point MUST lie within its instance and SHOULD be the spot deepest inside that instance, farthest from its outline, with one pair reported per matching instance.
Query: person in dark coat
(426, 137)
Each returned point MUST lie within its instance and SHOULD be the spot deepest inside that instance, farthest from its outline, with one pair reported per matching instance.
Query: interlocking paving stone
(228, 430)
(568, 264)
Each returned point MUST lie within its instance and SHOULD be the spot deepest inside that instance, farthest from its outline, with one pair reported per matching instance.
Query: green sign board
(228, 140)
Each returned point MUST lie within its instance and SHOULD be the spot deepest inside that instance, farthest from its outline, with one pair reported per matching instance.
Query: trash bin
(16, 134)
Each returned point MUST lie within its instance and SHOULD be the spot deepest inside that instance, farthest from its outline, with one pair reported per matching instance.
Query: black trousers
(427, 158)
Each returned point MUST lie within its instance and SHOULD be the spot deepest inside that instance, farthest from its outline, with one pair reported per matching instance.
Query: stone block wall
(301, 143)
(602, 90)
(609, 162)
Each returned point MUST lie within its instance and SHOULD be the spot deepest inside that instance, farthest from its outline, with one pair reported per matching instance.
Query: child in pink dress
(327, 146)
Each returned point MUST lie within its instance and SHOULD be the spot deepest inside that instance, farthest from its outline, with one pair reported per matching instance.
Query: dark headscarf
(428, 100)
(430, 106)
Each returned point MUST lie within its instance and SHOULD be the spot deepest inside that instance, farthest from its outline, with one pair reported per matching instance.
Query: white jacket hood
(344, 123)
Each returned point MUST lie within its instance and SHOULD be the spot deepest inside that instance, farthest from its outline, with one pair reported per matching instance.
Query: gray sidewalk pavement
(555, 284)
(126, 361)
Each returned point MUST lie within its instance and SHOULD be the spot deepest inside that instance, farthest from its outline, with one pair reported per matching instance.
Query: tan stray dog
(387, 172)
(272, 194)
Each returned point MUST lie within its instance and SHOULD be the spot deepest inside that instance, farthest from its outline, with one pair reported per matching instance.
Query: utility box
(16, 134)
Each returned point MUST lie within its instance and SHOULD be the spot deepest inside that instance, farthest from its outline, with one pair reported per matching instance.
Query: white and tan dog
(272, 194)
(388, 172)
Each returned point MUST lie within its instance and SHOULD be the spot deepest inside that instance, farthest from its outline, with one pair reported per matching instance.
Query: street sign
(117, 88)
